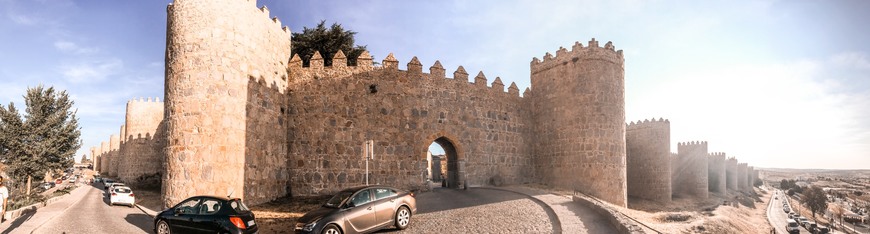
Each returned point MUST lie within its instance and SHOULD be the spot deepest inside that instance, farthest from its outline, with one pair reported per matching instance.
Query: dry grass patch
(280, 216)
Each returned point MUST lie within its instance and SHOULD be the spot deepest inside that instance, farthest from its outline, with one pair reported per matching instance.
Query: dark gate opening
(443, 163)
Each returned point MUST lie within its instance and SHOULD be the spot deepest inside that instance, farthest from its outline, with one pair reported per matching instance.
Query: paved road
(777, 217)
(775, 214)
(85, 210)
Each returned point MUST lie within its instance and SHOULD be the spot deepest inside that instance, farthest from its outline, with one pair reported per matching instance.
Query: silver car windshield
(336, 200)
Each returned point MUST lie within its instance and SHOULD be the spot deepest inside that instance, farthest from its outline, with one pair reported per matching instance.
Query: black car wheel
(331, 229)
(403, 218)
(163, 227)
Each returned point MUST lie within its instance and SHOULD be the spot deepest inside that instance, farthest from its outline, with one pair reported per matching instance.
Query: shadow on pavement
(26, 214)
(142, 221)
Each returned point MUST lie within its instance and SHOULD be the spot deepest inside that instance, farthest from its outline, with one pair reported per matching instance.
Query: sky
(782, 84)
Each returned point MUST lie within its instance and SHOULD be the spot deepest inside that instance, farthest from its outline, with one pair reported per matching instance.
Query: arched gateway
(243, 117)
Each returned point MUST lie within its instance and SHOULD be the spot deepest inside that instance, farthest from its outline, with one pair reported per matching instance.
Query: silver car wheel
(331, 229)
(403, 217)
(163, 228)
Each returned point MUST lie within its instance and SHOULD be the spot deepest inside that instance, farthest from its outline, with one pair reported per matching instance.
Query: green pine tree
(45, 140)
(327, 41)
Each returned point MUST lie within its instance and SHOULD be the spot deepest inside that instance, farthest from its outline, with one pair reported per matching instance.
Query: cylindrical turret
(114, 143)
(143, 153)
(579, 113)
(716, 173)
(690, 175)
(104, 154)
(648, 149)
(213, 49)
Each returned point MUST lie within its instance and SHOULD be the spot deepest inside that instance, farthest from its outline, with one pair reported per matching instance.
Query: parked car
(802, 221)
(107, 183)
(206, 214)
(786, 209)
(72, 179)
(122, 195)
(810, 226)
(361, 210)
(821, 230)
(47, 185)
(58, 181)
(791, 226)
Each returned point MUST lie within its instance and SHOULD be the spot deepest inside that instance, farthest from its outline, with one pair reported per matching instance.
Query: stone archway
(455, 171)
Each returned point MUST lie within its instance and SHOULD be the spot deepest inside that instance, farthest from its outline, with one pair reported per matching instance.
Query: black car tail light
(238, 222)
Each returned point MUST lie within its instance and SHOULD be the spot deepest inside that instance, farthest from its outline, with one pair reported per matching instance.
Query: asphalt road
(777, 217)
(85, 210)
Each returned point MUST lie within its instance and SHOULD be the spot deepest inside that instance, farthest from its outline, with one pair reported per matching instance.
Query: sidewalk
(33, 219)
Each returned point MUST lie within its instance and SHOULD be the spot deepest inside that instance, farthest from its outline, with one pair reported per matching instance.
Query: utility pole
(368, 153)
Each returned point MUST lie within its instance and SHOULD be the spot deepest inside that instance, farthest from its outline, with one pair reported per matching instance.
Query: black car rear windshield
(238, 205)
(336, 200)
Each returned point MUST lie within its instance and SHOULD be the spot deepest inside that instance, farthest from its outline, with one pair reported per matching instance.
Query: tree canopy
(42, 140)
(327, 41)
(816, 199)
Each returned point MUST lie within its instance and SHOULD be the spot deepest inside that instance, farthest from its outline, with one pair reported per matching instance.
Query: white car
(122, 195)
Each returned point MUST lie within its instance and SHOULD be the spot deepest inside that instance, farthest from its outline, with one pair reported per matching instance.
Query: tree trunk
(28, 185)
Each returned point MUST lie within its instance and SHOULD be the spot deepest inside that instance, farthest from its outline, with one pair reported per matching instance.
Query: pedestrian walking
(4, 195)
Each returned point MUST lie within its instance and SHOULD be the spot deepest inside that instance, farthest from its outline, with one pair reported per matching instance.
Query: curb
(15, 214)
(147, 211)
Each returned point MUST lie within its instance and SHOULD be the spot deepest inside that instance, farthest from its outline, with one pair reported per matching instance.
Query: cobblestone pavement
(477, 211)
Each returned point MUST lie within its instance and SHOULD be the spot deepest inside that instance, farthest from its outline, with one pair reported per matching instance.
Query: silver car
(361, 210)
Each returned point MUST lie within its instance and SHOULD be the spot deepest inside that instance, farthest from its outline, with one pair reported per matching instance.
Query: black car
(206, 214)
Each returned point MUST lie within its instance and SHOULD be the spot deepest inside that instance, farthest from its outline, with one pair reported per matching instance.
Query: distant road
(84, 210)
(775, 215)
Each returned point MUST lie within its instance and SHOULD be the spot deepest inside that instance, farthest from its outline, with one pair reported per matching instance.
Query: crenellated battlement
(648, 123)
(578, 52)
(145, 100)
(692, 143)
(718, 154)
(340, 68)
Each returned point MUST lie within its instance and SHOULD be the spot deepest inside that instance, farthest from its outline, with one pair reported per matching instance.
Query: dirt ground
(685, 215)
(280, 216)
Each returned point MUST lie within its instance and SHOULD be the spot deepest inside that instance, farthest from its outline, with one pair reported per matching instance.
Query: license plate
(250, 223)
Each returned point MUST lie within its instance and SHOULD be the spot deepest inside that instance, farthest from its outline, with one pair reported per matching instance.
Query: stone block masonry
(243, 118)
(742, 180)
(648, 150)
(143, 143)
(213, 49)
(578, 112)
(690, 173)
(716, 173)
(731, 174)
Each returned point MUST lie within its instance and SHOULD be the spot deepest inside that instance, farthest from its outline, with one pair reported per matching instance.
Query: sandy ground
(280, 216)
(685, 215)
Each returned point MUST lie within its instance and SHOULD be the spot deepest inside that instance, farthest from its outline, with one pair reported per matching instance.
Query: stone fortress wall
(731, 173)
(741, 177)
(215, 52)
(143, 142)
(648, 166)
(243, 118)
(578, 109)
(690, 173)
(716, 173)
(334, 109)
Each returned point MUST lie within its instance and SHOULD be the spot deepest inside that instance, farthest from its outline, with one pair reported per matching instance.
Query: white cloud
(91, 71)
(21, 19)
(851, 60)
(71, 47)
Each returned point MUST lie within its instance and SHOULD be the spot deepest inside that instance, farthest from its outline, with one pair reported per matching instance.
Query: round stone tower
(648, 150)
(579, 112)
(690, 174)
(213, 49)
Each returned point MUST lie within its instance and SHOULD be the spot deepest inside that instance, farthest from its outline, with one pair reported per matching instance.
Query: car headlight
(309, 227)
